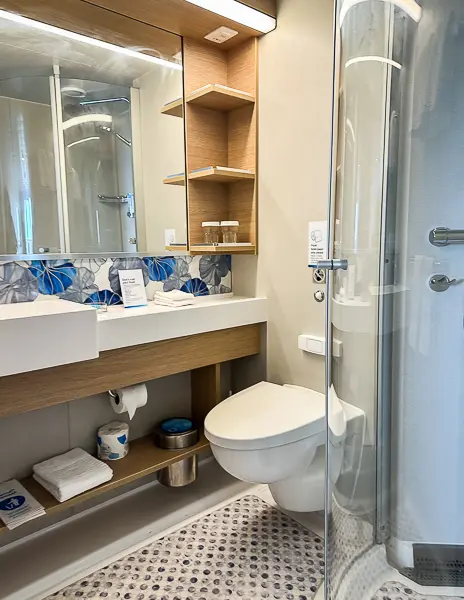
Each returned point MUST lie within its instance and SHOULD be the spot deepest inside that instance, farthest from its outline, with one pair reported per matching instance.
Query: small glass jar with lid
(211, 231)
(229, 231)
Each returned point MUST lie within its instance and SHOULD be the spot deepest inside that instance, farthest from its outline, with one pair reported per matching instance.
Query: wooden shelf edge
(199, 249)
(220, 175)
(211, 174)
(177, 180)
(174, 108)
(219, 97)
(175, 248)
(144, 458)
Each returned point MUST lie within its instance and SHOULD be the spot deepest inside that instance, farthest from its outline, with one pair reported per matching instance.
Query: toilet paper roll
(129, 399)
(113, 441)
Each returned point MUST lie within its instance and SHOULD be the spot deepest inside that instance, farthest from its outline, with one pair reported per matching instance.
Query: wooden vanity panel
(122, 367)
(206, 390)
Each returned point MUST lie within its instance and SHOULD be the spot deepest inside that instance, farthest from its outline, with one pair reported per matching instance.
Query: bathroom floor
(247, 549)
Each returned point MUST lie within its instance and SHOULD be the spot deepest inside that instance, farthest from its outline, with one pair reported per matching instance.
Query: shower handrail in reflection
(443, 236)
(119, 199)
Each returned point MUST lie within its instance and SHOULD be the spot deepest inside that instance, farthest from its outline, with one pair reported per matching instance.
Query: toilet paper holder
(114, 395)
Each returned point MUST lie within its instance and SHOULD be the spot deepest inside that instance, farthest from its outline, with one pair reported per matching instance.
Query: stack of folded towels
(174, 298)
(72, 473)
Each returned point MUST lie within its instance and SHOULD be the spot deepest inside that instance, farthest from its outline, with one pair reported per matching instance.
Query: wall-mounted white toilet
(276, 434)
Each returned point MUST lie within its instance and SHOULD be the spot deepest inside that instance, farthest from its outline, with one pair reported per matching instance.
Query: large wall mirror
(84, 145)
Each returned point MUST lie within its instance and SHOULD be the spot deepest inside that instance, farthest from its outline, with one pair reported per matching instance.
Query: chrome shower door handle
(333, 264)
(440, 282)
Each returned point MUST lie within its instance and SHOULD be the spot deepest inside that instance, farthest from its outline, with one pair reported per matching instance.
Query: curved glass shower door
(395, 470)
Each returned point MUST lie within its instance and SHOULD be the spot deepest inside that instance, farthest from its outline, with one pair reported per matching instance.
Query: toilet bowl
(276, 435)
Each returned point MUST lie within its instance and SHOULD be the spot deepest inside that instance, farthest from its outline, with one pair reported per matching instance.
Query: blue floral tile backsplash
(90, 280)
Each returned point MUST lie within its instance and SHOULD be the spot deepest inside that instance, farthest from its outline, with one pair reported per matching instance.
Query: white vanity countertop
(120, 327)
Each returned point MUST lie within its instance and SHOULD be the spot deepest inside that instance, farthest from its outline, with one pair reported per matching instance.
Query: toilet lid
(264, 416)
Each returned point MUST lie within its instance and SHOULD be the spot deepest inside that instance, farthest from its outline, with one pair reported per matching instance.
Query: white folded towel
(172, 304)
(72, 473)
(174, 295)
(173, 298)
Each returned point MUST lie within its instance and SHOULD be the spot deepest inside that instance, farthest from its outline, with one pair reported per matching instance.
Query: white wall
(295, 99)
(162, 141)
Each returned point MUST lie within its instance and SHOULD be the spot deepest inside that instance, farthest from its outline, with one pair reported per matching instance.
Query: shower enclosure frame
(59, 154)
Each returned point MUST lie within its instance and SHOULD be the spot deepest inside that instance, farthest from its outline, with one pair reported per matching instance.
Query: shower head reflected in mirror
(117, 135)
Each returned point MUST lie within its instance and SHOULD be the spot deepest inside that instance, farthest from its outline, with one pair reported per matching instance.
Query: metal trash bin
(175, 434)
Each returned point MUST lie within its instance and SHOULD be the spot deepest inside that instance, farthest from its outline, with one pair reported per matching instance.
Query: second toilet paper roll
(113, 441)
(129, 399)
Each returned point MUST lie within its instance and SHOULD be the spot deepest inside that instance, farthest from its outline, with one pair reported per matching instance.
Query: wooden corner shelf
(222, 175)
(174, 108)
(232, 249)
(175, 180)
(143, 459)
(220, 97)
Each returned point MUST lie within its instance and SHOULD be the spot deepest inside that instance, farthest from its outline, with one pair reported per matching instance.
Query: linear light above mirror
(87, 40)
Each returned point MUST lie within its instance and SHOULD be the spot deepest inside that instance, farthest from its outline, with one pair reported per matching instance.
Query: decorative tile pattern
(247, 549)
(393, 590)
(96, 279)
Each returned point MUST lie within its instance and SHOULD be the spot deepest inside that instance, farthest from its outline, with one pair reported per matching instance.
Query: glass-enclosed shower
(396, 480)
(66, 169)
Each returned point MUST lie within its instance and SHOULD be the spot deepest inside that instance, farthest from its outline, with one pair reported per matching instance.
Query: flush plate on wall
(221, 35)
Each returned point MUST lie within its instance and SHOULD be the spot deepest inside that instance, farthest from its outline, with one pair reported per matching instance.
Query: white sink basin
(37, 335)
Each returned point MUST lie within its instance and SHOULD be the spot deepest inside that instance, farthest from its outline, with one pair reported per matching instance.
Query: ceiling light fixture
(87, 139)
(238, 12)
(380, 59)
(86, 119)
(71, 35)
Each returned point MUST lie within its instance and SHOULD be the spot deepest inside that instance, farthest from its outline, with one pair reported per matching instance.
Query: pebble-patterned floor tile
(247, 549)
(393, 590)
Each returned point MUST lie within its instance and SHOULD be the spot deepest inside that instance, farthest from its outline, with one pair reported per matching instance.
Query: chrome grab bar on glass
(119, 199)
(442, 236)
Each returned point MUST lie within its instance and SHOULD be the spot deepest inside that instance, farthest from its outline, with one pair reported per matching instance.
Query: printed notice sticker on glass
(317, 242)
(133, 288)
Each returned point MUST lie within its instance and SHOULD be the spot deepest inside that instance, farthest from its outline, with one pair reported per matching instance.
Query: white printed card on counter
(133, 288)
(317, 242)
(17, 506)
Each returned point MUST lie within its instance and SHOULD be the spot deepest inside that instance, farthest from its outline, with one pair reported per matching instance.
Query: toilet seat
(266, 415)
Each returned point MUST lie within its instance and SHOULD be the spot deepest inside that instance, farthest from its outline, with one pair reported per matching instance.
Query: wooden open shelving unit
(201, 354)
(221, 131)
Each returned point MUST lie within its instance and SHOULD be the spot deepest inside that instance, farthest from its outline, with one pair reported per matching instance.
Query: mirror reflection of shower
(96, 125)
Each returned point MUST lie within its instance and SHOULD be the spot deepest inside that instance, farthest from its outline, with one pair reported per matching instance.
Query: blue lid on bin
(176, 425)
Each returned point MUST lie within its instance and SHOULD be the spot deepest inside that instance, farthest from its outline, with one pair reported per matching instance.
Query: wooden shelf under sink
(144, 458)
